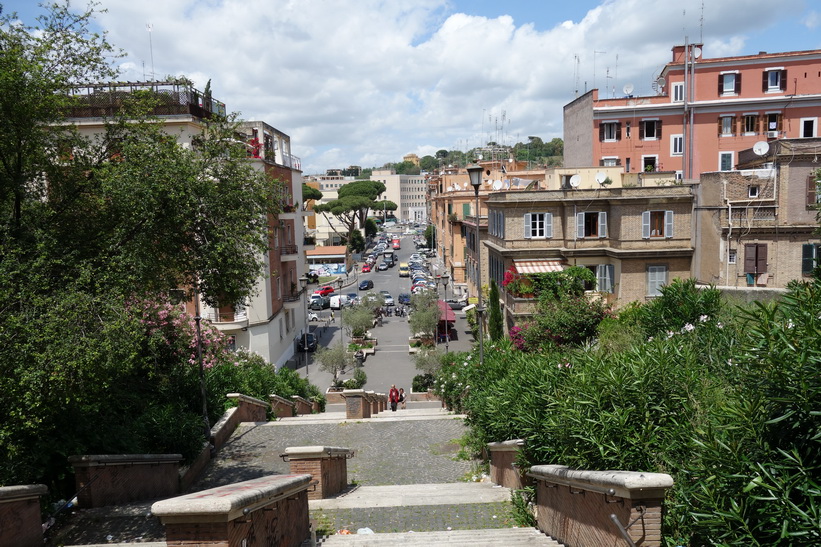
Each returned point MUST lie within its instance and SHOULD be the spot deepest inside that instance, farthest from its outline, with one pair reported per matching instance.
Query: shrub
(422, 382)
(358, 381)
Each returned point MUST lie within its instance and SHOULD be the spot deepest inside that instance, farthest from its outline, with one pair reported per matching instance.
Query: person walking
(402, 398)
(393, 396)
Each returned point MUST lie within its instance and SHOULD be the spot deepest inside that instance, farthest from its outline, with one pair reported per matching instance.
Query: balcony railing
(226, 317)
(288, 249)
(104, 100)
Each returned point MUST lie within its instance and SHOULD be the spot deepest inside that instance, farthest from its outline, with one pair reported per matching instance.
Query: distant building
(705, 113)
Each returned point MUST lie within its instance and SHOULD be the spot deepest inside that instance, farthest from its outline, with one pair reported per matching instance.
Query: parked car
(388, 298)
(456, 304)
(366, 268)
(353, 298)
(403, 298)
(339, 301)
(311, 342)
(313, 316)
(382, 266)
(365, 284)
(324, 291)
(321, 303)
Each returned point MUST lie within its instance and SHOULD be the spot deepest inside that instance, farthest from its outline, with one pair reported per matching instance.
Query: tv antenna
(149, 27)
(594, 66)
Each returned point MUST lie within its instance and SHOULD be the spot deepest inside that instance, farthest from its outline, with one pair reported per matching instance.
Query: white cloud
(366, 81)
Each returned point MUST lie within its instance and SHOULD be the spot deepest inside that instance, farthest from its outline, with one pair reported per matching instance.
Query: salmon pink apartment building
(706, 111)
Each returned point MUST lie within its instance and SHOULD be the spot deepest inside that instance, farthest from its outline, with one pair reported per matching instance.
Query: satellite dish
(628, 89)
(464, 185)
(760, 148)
(479, 157)
(575, 180)
(697, 52)
(510, 160)
(661, 81)
(497, 185)
(600, 177)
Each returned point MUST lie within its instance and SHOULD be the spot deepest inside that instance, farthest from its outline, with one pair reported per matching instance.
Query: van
(339, 301)
(404, 270)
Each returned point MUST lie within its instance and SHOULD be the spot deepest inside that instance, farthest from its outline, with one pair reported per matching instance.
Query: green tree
(407, 168)
(357, 320)
(428, 163)
(309, 192)
(357, 242)
(430, 236)
(352, 205)
(334, 360)
(496, 327)
(425, 317)
(371, 228)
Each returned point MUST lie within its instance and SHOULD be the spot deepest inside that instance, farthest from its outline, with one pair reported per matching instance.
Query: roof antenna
(701, 24)
(149, 27)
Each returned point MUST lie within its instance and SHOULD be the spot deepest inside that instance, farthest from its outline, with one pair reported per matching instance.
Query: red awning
(538, 266)
(445, 313)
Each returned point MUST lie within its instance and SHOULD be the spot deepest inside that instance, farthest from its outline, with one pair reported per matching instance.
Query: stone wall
(20, 524)
(327, 465)
(599, 507)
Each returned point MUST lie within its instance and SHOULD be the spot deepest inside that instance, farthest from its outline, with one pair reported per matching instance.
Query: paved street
(391, 364)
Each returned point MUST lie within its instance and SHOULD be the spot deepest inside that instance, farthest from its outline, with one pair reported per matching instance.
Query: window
(729, 83)
(807, 128)
(676, 145)
(726, 126)
(810, 253)
(609, 131)
(496, 224)
(725, 161)
(604, 278)
(813, 195)
(591, 225)
(649, 163)
(656, 279)
(650, 130)
(774, 80)
(731, 256)
(773, 123)
(656, 224)
(755, 258)
(538, 225)
(609, 162)
(752, 191)
(750, 124)
(678, 92)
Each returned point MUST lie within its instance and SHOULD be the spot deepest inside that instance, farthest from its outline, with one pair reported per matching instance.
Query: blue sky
(364, 82)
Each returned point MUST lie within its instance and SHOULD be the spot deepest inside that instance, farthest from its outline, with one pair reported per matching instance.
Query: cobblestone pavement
(419, 518)
(391, 452)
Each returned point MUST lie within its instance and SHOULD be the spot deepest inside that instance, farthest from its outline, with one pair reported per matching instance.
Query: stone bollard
(20, 524)
(271, 510)
(328, 465)
(356, 404)
(599, 507)
(373, 400)
(503, 470)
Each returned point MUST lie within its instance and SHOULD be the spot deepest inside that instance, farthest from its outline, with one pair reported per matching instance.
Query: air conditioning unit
(772, 134)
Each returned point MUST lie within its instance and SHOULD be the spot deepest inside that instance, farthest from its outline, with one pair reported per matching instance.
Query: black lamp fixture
(303, 284)
(475, 174)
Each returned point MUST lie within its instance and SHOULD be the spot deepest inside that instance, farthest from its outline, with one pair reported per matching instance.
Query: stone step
(472, 538)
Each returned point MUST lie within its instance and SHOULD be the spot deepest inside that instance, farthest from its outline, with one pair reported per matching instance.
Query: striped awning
(538, 266)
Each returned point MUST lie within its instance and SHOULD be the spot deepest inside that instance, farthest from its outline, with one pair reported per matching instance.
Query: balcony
(293, 300)
(309, 243)
(288, 253)
(227, 321)
(517, 305)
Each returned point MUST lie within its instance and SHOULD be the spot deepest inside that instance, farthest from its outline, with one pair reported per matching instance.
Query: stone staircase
(408, 485)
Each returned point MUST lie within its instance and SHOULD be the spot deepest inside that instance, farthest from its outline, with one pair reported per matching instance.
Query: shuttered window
(591, 225)
(656, 224)
(604, 278)
(755, 258)
(538, 225)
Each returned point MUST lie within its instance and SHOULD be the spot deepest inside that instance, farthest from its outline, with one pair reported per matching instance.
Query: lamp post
(445, 279)
(197, 321)
(339, 283)
(475, 174)
(303, 283)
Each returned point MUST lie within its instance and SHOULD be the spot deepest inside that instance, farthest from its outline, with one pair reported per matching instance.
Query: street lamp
(445, 279)
(339, 284)
(475, 174)
(303, 283)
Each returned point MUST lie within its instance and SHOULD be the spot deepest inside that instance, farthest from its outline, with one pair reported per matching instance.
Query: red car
(324, 291)
(366, 268)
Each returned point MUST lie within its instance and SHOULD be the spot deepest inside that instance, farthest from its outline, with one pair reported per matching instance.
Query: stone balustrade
(303, 405)
(328, 465)
(111, 479)
(503, 469)
(20, 524)
(374, 401)
(599, 507)
(270, 510)
(356, 404)
(282, 407)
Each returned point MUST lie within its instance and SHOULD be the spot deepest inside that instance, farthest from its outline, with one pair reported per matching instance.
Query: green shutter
(465, 210)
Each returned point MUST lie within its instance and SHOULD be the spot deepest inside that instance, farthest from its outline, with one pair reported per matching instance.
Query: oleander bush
(726, 400)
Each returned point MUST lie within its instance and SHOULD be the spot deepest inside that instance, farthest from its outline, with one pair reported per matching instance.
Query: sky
(365, 82)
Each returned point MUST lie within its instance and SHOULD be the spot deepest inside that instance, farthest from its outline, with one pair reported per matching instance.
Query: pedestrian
(393, 395)
(333, 320)
(402, 398)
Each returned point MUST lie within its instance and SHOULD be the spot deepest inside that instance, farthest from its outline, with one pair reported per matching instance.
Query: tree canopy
(352, 205)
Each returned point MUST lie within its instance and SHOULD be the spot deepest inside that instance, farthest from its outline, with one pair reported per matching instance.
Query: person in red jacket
(393, 395)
